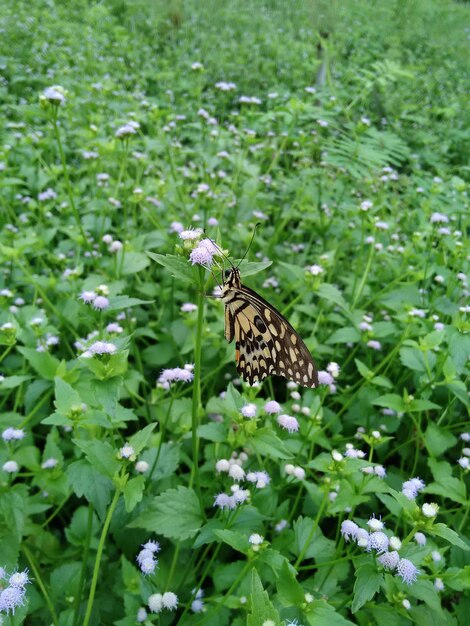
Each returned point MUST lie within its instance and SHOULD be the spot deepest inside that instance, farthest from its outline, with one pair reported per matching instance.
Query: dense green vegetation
(141, 481)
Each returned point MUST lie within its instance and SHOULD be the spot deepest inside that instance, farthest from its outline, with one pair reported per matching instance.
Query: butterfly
(265, 342)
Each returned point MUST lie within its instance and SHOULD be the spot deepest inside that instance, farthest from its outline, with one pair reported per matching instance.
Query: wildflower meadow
(147, 149)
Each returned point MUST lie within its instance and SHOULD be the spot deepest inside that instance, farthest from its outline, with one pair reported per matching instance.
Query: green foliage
(342, 128)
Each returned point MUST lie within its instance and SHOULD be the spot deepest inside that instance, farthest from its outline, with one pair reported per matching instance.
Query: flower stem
(67, 179)
(37, 575)
(312, 531)
(197, 388)
(364, 276)
(99, 554)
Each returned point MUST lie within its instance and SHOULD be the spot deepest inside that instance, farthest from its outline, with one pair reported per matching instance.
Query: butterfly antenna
(249, 245)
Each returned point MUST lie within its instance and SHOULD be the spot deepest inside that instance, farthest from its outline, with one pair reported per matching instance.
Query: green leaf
(10, 382)
(175, 514)
(176, 266)
(134, 262)
(133, 492)
(441, 530)
(421, 405)
(261, 608)
(65, 397)
(248, 268)
(413, 359)
(367, 584)
(363, 369)
(101, 456)
(236, 540)
(213, 432)
(86, 481)
(345, 335)
(118, 303)
(44, 363)
(141, 438)
(266, 443)
(332, 294)
(391, 401)
(289, 590)
(458, 579)
(320, 613)
(438, 440)
(446, 485)
(319, 547)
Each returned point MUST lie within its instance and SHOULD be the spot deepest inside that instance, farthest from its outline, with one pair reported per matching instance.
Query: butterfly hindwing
(265, 341)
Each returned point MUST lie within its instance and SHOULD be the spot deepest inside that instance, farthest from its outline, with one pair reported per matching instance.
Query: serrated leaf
(438, 440)
(391, 401)
(441, 530)
(266, 443)
(10, 382)
(320, 613)
(101, 455)
(65, 396)
(344, 335)
(141, 438)
(118, 303)
(236, 540)
(367, 584)
(332, 294)
(289, 590)
(261, 608)
(248, 268)
(86, 481)
(176, 266)
(175, 514)
(44, 363)
(133, 492)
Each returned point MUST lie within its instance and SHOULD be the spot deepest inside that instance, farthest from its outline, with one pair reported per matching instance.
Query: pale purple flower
(249, 410)
(11, 598)
(439, 218)
(88, 296)
(430, 509)
(381, 225)
(236, 472)
(407, 571)
(223, 465)
(366, 205)
(299, 473)
(272, 407)
(100, 303)
(19, 579)
(141, 615)
(362, 538)
(127, 130)
(49, 463)
(333, 368)
(389, 560)
(261, 478)
(438, 584)
(201, 256)
(176, 227)
(141, 467)
(224, 501)
(102, 347)
(288, 422)
(10, 467)
(378, 541)
(315, 270)
(255, 539)
(380, 471)
(325, 378)
(417, 313)
(225, 86)
(127, 451)
(115, 246)
(13, 434)
(349, 529)
(420, 539)
(374, 345)
(176, 374)
(412, 487)
(54, 94)
(170, 600)
(155, 602)
(375, 524)
(114, 327)
(464, 462)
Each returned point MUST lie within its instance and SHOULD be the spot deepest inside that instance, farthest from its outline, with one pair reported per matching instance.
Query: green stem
(99, 554)
(38, 579)
(364, 276)
(312, 531)
(196, 403)
(67, 179)
(84, 565)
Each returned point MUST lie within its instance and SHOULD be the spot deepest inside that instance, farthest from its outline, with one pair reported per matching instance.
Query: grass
(342, 128)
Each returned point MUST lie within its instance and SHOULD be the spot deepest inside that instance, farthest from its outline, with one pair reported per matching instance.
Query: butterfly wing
(265, 341)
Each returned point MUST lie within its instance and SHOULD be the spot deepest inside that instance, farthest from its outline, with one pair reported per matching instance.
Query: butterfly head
(231, 279)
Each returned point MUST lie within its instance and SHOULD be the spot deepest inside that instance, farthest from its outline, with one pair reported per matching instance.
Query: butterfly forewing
(265, 342)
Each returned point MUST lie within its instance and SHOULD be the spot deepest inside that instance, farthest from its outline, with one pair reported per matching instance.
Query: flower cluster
(176, 375)
(386, 548)
(147, 559)
(158, 601)
(13, 596)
